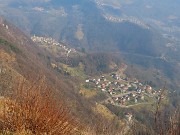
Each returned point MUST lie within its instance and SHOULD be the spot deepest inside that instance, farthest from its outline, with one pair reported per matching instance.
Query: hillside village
(60, 11)
(52, 45)
(112, 18)
(126, 19)
(123, 91)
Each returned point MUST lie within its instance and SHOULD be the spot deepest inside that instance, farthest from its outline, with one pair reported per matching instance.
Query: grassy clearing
(77, 71)
(88, 93)
(104, 111)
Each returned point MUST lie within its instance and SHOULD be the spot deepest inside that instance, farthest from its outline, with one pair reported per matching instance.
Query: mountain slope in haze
(163, 13)
(81, 24)
(20, 57)
(89, 25)
(160, 15)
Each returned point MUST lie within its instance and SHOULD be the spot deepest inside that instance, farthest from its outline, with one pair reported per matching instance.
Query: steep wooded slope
(20, 59)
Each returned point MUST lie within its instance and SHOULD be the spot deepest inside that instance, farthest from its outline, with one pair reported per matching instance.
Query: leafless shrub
(31, 108)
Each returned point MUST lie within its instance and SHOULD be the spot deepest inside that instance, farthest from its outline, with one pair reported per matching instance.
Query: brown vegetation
(31, 109)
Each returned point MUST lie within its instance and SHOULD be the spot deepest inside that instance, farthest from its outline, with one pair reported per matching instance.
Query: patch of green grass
(77, 71)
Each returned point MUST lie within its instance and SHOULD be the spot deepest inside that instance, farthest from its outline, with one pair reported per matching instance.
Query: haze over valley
(89, 67)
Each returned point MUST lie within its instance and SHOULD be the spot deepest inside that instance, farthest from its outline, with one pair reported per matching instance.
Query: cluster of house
(51, 41)
(126, 19)
(122, 89)
(60, 11)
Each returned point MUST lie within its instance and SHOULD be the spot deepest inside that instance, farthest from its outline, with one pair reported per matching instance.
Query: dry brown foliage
(32, 109)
